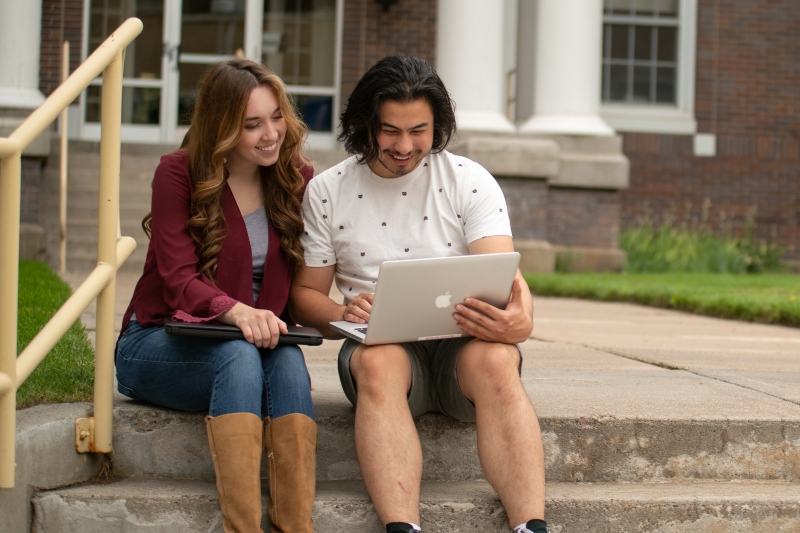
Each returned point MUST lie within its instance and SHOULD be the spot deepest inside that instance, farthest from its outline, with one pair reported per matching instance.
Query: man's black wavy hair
(401, 79)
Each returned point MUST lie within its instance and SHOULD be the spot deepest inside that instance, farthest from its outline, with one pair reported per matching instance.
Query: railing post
(107, 230)
(62, 167)
(10, 172)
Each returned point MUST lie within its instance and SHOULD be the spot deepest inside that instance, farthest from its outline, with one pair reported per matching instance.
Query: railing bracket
(84, 435)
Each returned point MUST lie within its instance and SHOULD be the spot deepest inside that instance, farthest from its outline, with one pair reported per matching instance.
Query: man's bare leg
(387, 444)
(509, 438)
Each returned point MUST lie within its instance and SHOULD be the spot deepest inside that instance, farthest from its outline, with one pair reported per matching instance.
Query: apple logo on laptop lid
(443, 300)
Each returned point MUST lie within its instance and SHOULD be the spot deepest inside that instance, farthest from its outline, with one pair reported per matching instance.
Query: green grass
(767, 298)
(67, 373)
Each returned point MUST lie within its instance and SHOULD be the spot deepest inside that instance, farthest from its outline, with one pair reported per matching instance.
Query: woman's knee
(240, 361)
(285, 363)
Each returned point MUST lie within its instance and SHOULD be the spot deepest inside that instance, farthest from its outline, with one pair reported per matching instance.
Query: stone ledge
(39, 147)
(32, 242)
(589, 259)
(45, 431)
(536, 255)
(511, 155)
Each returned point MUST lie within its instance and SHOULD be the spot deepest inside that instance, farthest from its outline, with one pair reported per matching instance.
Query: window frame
(663, 118)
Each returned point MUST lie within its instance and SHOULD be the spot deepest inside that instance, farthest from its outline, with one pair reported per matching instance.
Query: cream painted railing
(92, 434)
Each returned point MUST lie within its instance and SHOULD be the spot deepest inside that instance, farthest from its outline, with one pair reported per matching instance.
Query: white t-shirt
(356, 220)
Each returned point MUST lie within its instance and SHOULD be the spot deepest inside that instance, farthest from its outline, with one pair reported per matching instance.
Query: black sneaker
(401, 527)
(533, 526)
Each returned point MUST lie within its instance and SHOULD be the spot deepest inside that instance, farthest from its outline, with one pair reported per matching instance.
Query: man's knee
(488, 365)
(381, 369)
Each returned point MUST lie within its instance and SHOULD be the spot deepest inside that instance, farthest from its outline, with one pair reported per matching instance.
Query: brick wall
(370, 34)
(61, 20)
(583, 217)
(527, 206)
(748, 94)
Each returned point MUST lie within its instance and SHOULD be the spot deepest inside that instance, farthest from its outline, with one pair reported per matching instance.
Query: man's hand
(358, 309)
(488, 323)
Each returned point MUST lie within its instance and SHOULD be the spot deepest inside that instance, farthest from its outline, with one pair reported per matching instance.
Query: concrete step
(170, 506)
(86, 262)
(129, 200)
(150, 442)
(82, 236)
(604, 418)
(132, 164)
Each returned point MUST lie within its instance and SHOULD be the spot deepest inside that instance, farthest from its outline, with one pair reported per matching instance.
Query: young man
(402, 196)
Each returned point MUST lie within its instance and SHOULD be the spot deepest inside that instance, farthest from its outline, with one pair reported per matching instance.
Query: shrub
(670, 248)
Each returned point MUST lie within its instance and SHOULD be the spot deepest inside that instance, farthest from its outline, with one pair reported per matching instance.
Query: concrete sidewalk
(593, 359)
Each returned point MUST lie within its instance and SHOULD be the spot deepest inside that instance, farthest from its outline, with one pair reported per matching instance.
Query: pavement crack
(659, 364)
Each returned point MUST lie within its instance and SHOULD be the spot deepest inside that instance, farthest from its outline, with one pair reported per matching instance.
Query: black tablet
(296, 335)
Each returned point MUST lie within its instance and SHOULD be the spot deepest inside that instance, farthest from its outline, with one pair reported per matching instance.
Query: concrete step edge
(148, 505)
(154, 442)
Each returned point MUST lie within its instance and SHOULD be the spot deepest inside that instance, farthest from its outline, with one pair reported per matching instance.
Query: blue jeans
(214, 375)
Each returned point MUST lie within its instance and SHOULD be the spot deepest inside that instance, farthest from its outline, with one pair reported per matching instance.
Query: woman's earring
(224, 160)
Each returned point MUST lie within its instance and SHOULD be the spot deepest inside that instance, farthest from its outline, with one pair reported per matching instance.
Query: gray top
(258, 232)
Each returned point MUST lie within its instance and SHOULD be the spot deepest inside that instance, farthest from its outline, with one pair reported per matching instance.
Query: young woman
(224, 241)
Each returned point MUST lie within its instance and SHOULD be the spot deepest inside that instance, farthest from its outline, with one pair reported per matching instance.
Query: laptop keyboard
(362, 330)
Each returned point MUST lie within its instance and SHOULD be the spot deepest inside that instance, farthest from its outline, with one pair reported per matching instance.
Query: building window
(640, 50)
(648, 65)
(299, 44)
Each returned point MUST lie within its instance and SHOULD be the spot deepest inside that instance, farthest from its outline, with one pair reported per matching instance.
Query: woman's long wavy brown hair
(216, 127)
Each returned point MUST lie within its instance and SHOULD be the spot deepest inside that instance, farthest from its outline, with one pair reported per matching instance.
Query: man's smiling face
(405, 137)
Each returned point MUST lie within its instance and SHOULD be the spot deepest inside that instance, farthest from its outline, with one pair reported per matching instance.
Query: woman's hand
(358, 309)
(259, 326)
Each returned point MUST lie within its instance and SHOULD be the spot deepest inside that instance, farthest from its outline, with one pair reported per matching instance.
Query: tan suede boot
(291, 443)
(235, 441)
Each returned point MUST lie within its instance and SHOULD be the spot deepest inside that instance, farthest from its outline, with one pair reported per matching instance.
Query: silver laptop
(415, 299)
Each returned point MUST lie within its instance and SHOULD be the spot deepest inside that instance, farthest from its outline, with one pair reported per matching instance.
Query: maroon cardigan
(171, 284)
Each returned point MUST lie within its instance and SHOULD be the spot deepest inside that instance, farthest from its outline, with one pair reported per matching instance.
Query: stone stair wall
(136, 175)
(137, 165)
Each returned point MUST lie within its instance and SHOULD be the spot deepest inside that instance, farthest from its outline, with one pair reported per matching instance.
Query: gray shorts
(434, 385)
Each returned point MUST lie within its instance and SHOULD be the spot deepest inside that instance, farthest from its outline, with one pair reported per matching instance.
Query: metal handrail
(112, 252)
(62, 168)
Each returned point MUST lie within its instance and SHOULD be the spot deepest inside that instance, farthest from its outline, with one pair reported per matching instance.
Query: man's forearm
(310, 307)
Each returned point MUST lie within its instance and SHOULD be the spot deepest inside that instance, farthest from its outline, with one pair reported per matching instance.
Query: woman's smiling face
(263, 134)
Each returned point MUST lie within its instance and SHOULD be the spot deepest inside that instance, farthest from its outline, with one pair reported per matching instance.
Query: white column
(469, 59)
(20, 36)
(566, 94)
